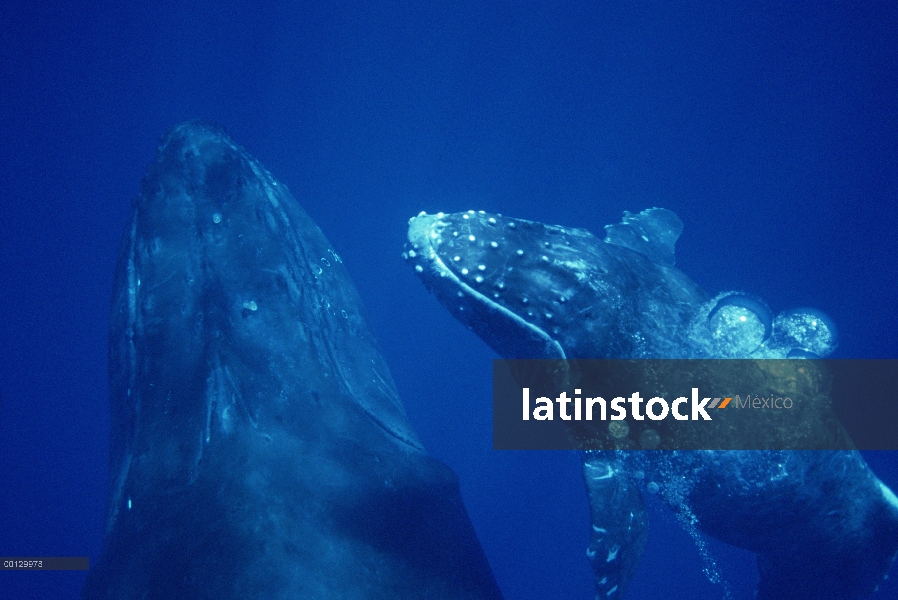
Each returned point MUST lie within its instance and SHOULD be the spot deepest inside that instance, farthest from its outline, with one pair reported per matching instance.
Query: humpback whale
(820, 522)
(259, 448)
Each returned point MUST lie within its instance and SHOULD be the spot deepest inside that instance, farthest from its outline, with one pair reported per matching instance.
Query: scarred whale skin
(259, 448)
(823, 526)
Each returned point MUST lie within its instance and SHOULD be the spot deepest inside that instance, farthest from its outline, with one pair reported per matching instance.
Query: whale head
(532, 290)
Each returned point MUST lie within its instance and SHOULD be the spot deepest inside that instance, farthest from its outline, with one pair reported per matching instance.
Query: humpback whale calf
(821, 524)
(259, 448)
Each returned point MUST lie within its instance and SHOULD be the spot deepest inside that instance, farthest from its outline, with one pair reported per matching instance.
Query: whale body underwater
(820, 522)
(259, 448)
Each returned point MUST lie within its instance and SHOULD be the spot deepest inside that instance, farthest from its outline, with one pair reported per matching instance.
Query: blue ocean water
(770, 128)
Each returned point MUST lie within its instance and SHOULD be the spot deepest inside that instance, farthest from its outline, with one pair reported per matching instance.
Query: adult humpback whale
(822, 525)
(259, 448)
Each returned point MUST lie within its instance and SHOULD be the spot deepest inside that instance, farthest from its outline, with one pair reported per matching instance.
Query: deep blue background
(769, 127)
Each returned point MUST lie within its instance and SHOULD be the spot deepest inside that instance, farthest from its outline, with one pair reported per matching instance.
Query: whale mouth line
(443, 270)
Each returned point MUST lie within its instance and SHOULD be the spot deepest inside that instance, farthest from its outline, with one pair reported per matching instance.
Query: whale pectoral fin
(619, 524)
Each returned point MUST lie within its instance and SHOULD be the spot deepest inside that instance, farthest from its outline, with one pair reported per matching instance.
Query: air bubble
(739, 324)
(805, 330)
(649, 439)
(618, 429)
(216, 218)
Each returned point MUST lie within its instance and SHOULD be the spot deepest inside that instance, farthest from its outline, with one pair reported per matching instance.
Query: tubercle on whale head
(488, 270)
(468, 263)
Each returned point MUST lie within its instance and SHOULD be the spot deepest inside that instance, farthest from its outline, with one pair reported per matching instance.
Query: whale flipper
(532, 290)
(259, 448)
(619, 524)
